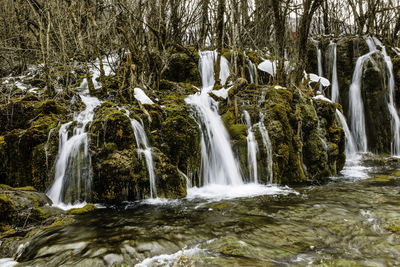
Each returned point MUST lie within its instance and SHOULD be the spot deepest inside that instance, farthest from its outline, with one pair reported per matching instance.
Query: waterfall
(350, 145)
(356, 106)
(143, 148)
(218, 165)
(252, 149)
(252, 70)
(267, 146)
(319, 58)
(335, 83)
(72, 181)
(46, 147)
(391, 105)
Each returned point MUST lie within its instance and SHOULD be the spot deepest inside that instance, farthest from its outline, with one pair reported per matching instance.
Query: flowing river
(352, 220)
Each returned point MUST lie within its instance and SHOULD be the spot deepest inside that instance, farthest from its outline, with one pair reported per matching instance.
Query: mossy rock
(169, 182)
(118, 175)
(21, 206)
(182, 68)
(23, 153)
(111, 125)
(49, 106)
(374, 92)
(181, 141)
(86, 209)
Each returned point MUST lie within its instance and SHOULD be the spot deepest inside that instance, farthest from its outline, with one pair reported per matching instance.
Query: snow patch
(268, 66)
(315, 78)
(141, 96)
(323, 98)
(221, 92)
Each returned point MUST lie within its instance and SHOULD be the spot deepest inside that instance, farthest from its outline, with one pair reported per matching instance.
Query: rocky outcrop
(24, 214)
(120, 172)
(375, 93)
(27, 150)
(374, 88)
(307, 141)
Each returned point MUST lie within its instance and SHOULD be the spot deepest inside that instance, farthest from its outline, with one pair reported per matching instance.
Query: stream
(351, 220)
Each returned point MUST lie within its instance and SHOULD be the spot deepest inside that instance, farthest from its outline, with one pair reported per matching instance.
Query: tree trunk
(220, 41)
(204, 23)
(279, 25)
(310, 6)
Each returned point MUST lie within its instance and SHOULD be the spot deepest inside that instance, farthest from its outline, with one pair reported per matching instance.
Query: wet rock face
(21, 206)
(396, 73)
(374, 88)
(120, 171)
(183, 67)
(375, 91)
(27, 154)
(307, 140)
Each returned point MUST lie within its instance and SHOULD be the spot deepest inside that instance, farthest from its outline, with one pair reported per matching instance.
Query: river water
(351, 220)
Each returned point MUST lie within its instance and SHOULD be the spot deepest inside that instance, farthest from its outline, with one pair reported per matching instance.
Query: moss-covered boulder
(307, 141)
(375, 91)
(120, 169)
(375, 85)
(111, 125)
(29, 142)
(22, 206)
(183, 67)
(396, 73)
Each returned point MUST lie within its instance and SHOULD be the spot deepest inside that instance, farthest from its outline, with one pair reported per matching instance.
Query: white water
(252, 149)
(391, 105)
(46, 147)
(72, 181)
(166, 260)
(356, 106)
(252, 71)
(219, 192)
(335, 83)
(319, 58)
(350, 145)
(218, 165)
(267, 146)
(143, 148)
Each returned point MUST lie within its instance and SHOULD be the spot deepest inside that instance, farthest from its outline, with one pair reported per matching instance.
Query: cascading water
(319, 59)
(335, 83)
(391, 106)
(218, 161)
(72, 182)
(350, 145)
(356, 106)
(252, 70)
(143, 148)
(252, 149)
(267, 146)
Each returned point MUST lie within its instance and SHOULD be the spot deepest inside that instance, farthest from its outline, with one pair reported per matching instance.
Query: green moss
(7, 209)
(110, 125)
(79, 211)
(237, 131)
(182, 67)
(26, 188)
(43, 213)
(394, 228)
(49, 106)
(254, 57)
(60, 222)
